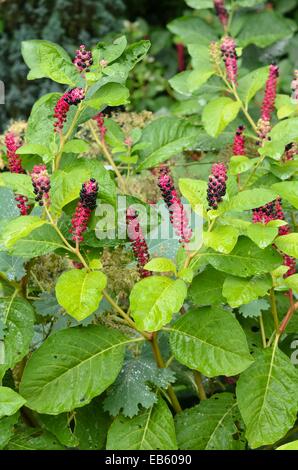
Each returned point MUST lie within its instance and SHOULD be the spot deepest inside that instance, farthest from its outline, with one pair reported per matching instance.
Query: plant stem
(161, 364)
(274, 309)
(199, 384)
(263, 334)
(64, 138)
(109, 158)
(287, 318)
(243, 108)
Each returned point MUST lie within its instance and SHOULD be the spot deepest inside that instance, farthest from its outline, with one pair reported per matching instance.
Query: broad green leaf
(239, 164)
(49, 60)
(40, 128)
(289, 446)
(218, 113)
(150, 430)
(261, 234)
(154, 300)
(239, 291)
(285, 106)
(111, 94)
(195, 342)
(12, 267)
(288, 244)
(167, 136)
(161, 265)
(7, 428)
(16, 320)
(251, 198)
(179, 82)
(200, 4)
(91, 426)
(288, 190)
(76, 146)
(249, 85)
(267, 397)
(202, 65)
(39, 242)
(195, 191)
(59, 426)
(111, 52)
(192, 30)
(10, 401)
(245, 260)
(292, 282)
(211, 425)
(222, 238)
(206, 288)
(135, 387)
(33, 439)
(35, 149)
(8, 204)
(19, 228)
(71, 367)
(79, 292)
(263, 28)
(18, 182)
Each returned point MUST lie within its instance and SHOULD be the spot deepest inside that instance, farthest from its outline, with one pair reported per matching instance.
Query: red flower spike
(270, 93)
(228, 51)
(41, 184)
(99, 118)
(138, 242)
(217, 184)
(180, 57)
(239, 142)
(83, 59)
(72, 97)
(86, 205)
(178, 216)
(221, 12)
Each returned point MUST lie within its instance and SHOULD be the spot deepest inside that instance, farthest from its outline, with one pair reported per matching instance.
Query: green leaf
(200, 4)
(35, 149)
(267, 397)
(289, 446)
(79, 292)
(179, 82)
(12, 267)
(7, 428)
(211, 425)
(206, 288)
(251, 198)
(195, 191)
(10, 401)
(91, 426)
(8, 205)
(47, 59)
(192, 30)
(59, 426)
(111, 94)
(133, 54)
(203, 67)
(195, 342)
(144, 431)
(288, 190)
(239, 164)
(71, 367)
(76, 146)
(222, 238)
(20, 228)
(218, 113)
(154, 300)
(261, 234)
(288, 244)
(292, 282)
(254, 308)
(263, 28)
(111, 52)
(132, 388)
(249, 85)
(39, 242)
(240, 291)
(168, 136)
(18, 182)
(245, 260)
(32, 439)
(161, 265)
(282, 133)
(16, 320)
(40, 127)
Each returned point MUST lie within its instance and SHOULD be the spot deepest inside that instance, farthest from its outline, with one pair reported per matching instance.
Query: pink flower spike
(41, 184)
(99, 118)
(228, 51)
(72, 97)
(270, 93)
(86, 205)
(239, 142)
(221, 12)
(217, 185)
(83, 59)
(138, 242)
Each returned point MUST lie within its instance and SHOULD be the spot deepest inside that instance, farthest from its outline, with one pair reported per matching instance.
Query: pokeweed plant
(198, 353)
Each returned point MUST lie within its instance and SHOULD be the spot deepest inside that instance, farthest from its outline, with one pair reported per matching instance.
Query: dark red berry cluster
(71, 97)
(239, 142)
(217, 185)
(86, 205)
(41, 184)
(228, 51)
(83, 59)
(221, 12)
(138, 242)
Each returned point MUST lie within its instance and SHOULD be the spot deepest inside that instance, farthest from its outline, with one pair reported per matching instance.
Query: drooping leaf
(150, 430)
(71, 367)
(251, 198)
(195, 342)
(8, 204)
(19, 183)
(111, 94)
(19, 228)
(249, 85)
(192, 30)
(40, 127)
(59, 426)
(33, 439)
(10, 401)
(239, 291)
(161, 265)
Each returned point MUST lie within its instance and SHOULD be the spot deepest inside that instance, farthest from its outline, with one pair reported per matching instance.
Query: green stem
(243, 108)
(263, 334)
(199, 384)
(274, 309)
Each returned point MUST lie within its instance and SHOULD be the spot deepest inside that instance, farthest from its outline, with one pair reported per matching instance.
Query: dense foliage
(148, 285)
